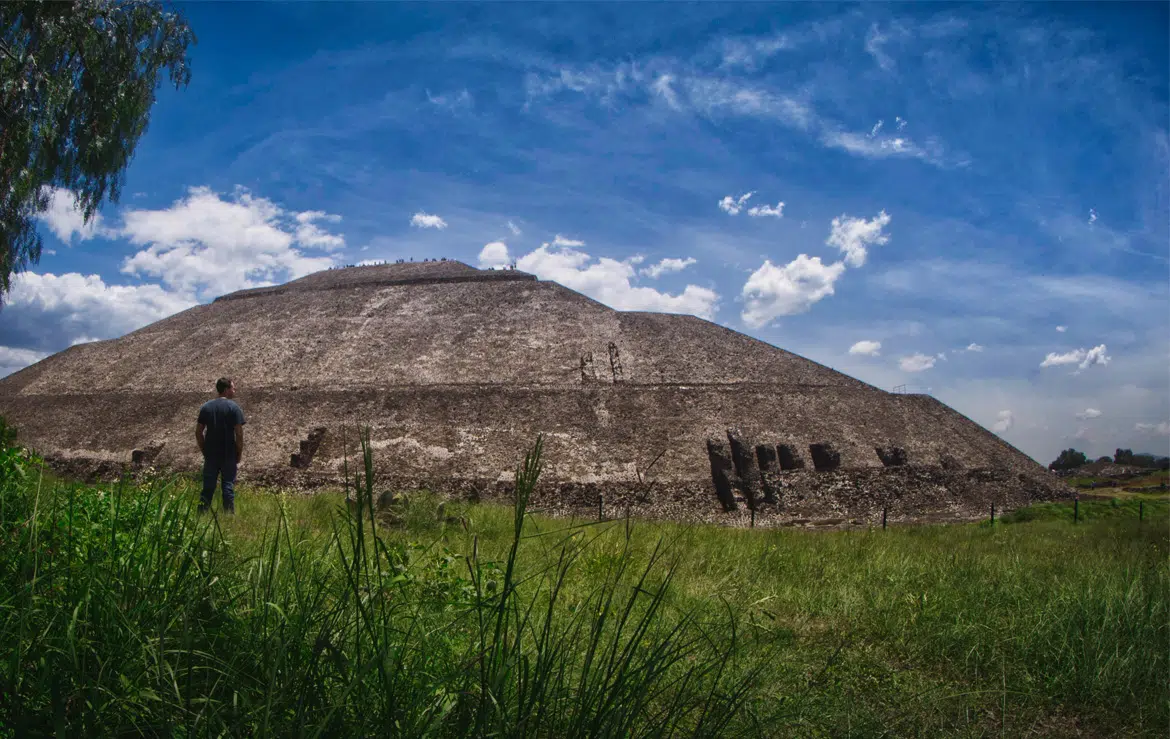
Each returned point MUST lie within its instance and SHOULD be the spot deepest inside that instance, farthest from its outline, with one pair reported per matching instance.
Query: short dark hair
(222, 384)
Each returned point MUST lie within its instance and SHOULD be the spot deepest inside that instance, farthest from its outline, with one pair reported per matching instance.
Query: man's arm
(239, 443)
(199, 429)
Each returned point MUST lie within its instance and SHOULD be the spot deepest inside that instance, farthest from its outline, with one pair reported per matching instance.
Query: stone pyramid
(456, 370)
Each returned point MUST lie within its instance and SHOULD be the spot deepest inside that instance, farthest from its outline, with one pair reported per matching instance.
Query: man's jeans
(214, 469)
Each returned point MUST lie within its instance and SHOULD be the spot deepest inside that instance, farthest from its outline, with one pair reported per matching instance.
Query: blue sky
(970, 200)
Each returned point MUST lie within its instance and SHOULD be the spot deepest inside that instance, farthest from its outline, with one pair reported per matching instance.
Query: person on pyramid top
(219, 432)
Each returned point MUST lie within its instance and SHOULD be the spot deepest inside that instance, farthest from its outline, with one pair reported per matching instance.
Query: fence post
(1076, 510)
(600, 507)
(753, 518)
(884, 510)
(1141, 510)
(993, 513)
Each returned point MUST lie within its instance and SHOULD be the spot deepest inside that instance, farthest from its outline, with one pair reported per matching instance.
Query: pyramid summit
(456, 370)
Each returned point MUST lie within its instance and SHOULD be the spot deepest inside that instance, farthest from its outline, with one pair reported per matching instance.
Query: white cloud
(974, 348)
(494, 255)
(1096, 355)
(609, 281)
(1004, 420)
(900, 121)
(426, 220)
(866, 348)
(65, 220)
(748, 52)
(853, 235)
(876, 127)
(312, 236)
(917, 362)
(759, 211)
(12, 359)
(874, 41)
(872, 146)
(1160, 429)
(48, 311)
(1084, 358)
(566, 243)
(1092, 216)
(667, 265)
(662, 87)
(732, 206)
(1089, 413)
(714, 96)
(774, 291)
(203, 243)
(451, 100)
(1061, 329)
(1054, 359)
(513, 228)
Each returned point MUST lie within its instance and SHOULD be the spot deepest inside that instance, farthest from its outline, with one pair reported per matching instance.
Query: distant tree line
(1070, 459)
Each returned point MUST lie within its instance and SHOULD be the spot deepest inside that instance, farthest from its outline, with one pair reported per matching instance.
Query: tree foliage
(1069, 459)
(77, 82)
(1127, 457)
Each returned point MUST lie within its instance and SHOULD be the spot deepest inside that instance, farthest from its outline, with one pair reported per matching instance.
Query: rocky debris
(146, 455)
(744, 461)
(309, 446)
(892, 456)
(789, 457)
(825, 458)
(722, 470)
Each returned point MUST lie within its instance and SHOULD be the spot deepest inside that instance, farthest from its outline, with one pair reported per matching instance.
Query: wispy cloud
(1089, 413)
(874, 146)
(564, 241)
(1159, 429)
(733, 205)
(917, 362)
(666, 266)
(454, 101)
(762, 211)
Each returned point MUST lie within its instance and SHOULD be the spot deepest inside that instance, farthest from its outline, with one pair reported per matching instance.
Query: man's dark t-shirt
(220, 416)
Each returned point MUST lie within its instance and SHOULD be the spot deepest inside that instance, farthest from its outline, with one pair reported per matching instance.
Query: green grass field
(122, 612)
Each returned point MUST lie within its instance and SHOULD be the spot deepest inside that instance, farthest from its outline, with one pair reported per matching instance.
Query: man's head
(225, 387)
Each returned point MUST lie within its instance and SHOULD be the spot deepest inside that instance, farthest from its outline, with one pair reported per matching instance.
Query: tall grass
(123, 612)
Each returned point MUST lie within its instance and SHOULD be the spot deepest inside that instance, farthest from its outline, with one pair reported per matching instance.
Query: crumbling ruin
(456, 370)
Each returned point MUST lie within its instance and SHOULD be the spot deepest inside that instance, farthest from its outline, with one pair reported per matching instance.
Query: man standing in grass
(220, 436)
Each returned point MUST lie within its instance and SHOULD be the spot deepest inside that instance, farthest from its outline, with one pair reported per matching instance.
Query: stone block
(824, 457)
